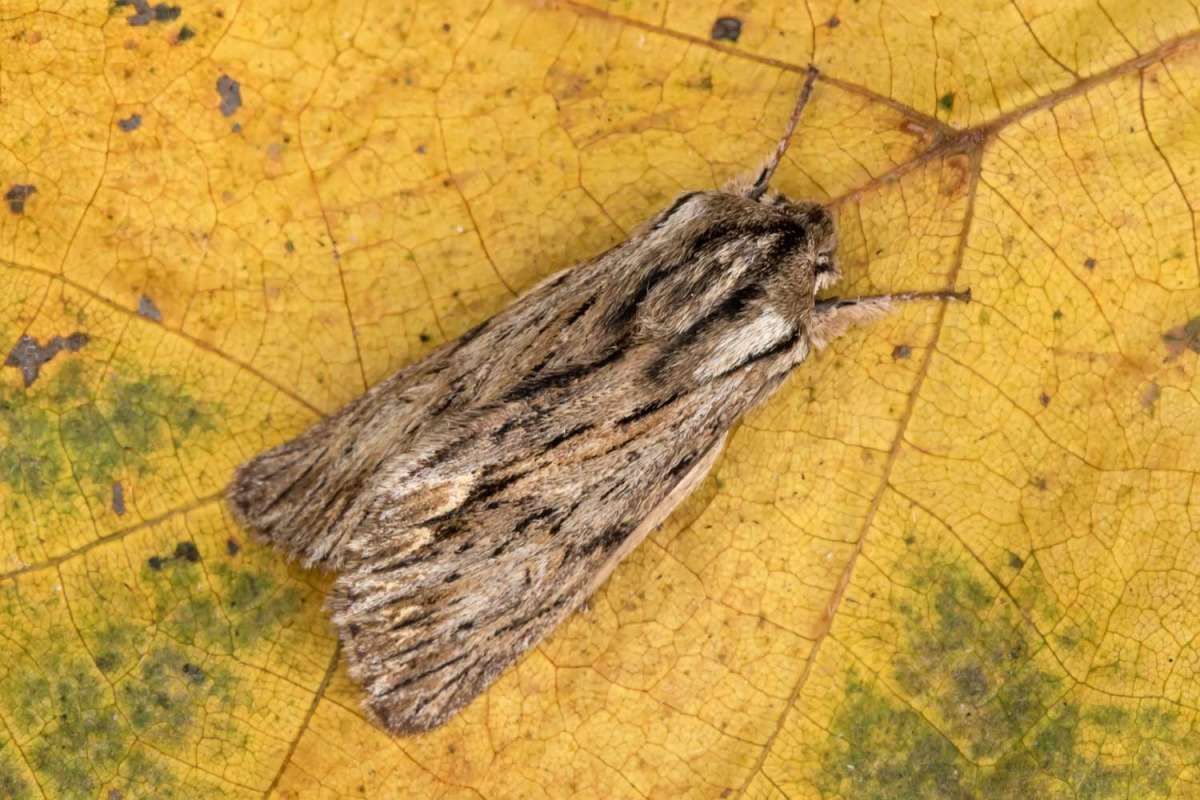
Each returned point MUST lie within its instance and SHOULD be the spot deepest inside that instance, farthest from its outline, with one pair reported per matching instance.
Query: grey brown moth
(473, 500)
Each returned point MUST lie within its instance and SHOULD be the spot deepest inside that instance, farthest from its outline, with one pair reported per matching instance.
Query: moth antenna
(834, 316)
(902, 297)
(764, 178)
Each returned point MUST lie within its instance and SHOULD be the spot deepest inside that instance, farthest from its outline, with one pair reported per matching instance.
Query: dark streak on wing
(431, 671)
(775, 349)
(411, 621)
(570, 434)
(606, 541)
(532, 518)
(670, 212)
(579, 312)
(648, 409)
(560, 378)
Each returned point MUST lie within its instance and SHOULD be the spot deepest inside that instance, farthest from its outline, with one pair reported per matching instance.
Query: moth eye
(824, 264)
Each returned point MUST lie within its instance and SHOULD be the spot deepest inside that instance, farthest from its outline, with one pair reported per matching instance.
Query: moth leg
(832, 318)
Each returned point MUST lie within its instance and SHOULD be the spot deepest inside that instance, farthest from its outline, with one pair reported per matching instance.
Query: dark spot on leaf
(118, 498)
(155, 563)
(148, 309)
(1183, 337)
(1040, 483)
(144, 13)
(193, 673)
(184, 34)
(1057, 315)
(130, 123)
(901, 351)
(29, 356)
(1090, 263)
(231, 95)
(445, 27)
(834, 21)
(1044, 399)
(425, 337)
(726, 29)
(187, 551)
(232, 547)
(290, 246)
(16, 196)
(946, 101)
(1015, 561)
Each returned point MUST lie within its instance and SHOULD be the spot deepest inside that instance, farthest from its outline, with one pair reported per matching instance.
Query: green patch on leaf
(65, 434)
(969, 710)
(13, 785)
(116, 713)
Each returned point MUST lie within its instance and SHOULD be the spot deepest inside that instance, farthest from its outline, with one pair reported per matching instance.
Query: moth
(473, 500)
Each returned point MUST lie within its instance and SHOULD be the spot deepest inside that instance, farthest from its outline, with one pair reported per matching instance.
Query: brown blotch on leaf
(1015, 561)
(726, 29)
(1182, 338)
(118, 498)
(16, 196)
(1044, 399)
(29, 356)
(834, 21)
(901, 351)
(1040, 484)
(130, 123)
(959, 167)
(1089, 263)
(231, 95)
(1150, 396)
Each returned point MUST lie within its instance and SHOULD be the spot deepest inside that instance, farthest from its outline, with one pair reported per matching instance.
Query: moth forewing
(476, 498)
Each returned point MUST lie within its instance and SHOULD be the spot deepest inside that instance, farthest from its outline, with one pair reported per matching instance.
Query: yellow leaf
(955, 557)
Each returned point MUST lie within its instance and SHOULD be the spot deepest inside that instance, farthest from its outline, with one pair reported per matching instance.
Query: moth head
(819, 250)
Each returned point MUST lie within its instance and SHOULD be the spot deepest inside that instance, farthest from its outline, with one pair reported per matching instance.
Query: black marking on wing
(670, 212)
(647, 409)
(559, 378)
(569, 434)
(781, 346)
(422, 675)
(579, 312)
(532, 518)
